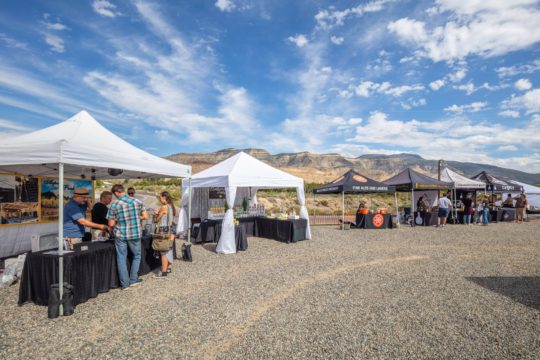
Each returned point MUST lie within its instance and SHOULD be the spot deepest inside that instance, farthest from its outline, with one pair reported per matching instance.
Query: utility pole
(440, 167)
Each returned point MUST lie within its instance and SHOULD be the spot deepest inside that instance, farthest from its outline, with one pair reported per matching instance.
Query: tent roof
(460, 181)
(496, 184)
(527, 189)
(409, 179)
(87, 150)
(243, 170)
(353, 182)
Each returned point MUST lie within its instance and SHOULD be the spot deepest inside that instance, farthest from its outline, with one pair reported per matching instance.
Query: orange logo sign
(359, 178)
(378, 220)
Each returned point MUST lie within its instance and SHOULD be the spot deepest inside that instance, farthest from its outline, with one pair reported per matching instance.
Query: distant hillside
(321, 168)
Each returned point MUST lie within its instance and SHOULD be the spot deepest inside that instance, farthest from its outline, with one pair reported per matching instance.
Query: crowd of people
(121, 221)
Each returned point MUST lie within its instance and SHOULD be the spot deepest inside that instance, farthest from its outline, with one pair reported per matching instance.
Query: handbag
(161, 242)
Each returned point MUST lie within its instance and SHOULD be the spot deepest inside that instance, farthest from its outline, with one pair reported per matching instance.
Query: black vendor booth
(410, 181)
(354, 183)
(497, 185)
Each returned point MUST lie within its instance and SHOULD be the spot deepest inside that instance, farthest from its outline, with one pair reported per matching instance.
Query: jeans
(467, 219)
(121, 260)
(485, 217)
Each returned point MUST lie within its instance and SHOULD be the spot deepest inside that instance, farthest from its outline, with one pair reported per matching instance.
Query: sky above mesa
(445, 79)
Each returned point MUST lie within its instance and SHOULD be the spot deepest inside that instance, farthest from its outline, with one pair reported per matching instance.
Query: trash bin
(55, 301)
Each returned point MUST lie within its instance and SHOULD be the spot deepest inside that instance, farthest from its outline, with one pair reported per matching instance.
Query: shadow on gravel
(524, 290)
(209, 247)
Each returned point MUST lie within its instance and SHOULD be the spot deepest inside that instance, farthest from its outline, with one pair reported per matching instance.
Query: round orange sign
(378, 220)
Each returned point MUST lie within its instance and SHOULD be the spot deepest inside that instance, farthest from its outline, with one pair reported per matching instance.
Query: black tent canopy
(351, 183)
(410, 180)
(495, 184)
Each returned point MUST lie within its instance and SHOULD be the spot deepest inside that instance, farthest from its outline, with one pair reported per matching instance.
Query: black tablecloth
(91, 272)
(282, 230)
(372, 221)
(428, 218)
(210, 231)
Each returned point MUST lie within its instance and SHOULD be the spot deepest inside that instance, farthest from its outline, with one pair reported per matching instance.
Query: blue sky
(451, 79)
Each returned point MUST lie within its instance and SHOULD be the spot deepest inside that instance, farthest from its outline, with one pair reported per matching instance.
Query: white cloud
(509, 71)
(354, 121)
(330, 18)
(56, 43)
(530, 102)
(473, 107)
(104, 8)
(12, 43)
(298, 40)
(367, 88)
(55, 26)
(523, 84)
(458, 75)
(468, 88)
(411, 103)
(510, 113)
(225, 5)
(484, 28)
(14, 126)
(437, 84)
(338, 40)
(507, 148)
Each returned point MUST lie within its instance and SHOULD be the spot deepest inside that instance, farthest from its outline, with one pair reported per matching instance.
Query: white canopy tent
(81, 148)
(460, 181)
(532, 192)
(239, 171)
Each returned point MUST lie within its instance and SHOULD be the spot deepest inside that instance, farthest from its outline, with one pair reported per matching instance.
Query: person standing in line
(444, 208)
(131, 191)
(75, 218)
(485, 213)
(125, 217)
(99, 212)
(164, 221)
(521, 204)
(468, 209)
(479, 211)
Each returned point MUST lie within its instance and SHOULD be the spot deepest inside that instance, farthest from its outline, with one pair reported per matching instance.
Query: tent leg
(397, 211)
(343, 210)
(61, 234)
(189, 212)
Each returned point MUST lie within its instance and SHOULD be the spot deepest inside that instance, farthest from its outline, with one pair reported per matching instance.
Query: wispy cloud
(367, 88)
(473, 107)
(299, 40)
(104, 8)
(12, 43)
(225, 5)
(523, 84)
(508, 71)
(331, 17)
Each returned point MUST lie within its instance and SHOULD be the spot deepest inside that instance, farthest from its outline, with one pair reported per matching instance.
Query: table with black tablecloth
(91, 271)
(428, 218)
(210, 231)
(288, 231)
(373, 221)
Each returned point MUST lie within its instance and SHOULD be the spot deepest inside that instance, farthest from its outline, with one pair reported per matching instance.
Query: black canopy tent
(353, 183)
(496, 185)
(410, 180)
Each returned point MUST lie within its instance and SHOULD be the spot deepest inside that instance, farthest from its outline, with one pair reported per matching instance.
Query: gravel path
(458, 292)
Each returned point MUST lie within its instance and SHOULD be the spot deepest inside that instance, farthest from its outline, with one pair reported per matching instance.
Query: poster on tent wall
(19, 200)
(429, 198)
(49, 196)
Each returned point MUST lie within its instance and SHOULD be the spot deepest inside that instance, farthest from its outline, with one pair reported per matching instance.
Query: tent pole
(343, 210)
(189, 212)
(397, 211)
(61, 234)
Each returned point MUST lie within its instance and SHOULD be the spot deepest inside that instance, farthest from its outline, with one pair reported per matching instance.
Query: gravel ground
(458, 292)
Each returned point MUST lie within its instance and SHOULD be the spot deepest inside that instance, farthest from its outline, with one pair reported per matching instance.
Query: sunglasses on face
(131, 193)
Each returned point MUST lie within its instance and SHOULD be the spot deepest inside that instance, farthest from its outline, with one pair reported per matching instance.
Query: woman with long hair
(164, 221)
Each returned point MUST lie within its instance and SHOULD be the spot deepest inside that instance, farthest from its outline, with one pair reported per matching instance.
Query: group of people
(122, 221)
(481, 212)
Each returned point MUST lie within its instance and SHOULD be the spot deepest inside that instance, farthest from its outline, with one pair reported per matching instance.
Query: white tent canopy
(240, 171)
(83, 149)
(460, 181)
(86, 149)
(532, 192)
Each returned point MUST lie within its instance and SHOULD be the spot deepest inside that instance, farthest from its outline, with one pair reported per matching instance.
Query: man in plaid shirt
(125, 217)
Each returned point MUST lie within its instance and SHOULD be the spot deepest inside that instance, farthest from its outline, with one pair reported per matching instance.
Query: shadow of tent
(522, 289)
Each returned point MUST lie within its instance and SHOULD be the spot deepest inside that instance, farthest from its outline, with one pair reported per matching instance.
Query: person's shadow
(522, 289)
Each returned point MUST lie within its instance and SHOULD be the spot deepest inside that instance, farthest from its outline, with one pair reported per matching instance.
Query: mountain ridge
(321, 168)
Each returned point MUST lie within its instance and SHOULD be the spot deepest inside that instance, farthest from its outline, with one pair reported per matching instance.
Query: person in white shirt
(444, 208)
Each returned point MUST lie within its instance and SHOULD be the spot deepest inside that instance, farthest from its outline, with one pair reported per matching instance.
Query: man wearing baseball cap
(75, 218)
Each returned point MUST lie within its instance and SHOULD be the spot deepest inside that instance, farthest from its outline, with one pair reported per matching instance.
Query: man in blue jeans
(125, 217)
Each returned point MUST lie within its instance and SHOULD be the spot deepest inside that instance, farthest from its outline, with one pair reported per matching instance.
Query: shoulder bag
(161, 241)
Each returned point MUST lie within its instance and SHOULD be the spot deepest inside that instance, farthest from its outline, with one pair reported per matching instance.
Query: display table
(373, 221)
(288, 231)
(210, 231)
(91, 272)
